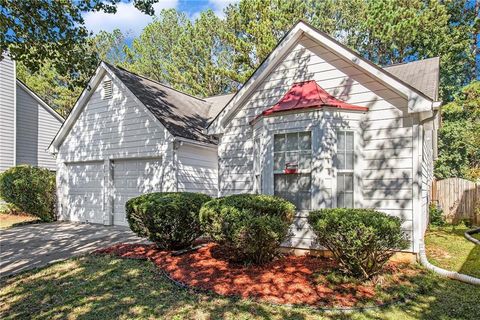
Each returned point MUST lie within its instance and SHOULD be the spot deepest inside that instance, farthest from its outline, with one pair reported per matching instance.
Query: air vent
(107, 89)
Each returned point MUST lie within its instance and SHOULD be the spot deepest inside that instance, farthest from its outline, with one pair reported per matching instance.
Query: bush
(169, 219)
(251, 226)
(9, 208)
(31, 189)
(436, 215)
(361, 240)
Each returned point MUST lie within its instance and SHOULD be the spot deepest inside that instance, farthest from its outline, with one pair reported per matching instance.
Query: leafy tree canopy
(459, 143)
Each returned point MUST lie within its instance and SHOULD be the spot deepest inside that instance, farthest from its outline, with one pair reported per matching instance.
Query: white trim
(416, 187)
(14, 113)
(196, 143)
(39, 100)
(77, 109)
(336, 171)
(416, 100)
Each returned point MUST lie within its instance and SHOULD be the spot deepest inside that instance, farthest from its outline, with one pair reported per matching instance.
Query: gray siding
(36, 128)
(7, 113)
(384, 136)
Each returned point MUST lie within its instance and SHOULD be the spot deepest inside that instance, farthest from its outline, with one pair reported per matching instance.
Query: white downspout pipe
(445, 273)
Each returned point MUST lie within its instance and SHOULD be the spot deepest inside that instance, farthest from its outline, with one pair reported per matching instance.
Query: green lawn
(448, 248)
(103, 287)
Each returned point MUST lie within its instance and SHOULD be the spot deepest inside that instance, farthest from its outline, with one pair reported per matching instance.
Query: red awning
(306, 95)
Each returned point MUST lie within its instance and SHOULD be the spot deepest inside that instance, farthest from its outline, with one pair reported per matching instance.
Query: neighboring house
(316, 124)
(27, 124)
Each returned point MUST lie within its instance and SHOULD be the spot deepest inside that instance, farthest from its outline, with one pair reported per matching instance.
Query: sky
(131, 21)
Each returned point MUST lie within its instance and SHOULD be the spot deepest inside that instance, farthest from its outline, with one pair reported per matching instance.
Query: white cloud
(219, 5)
(127, 18)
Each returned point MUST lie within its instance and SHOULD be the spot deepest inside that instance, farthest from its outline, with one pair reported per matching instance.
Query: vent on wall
(107, 89)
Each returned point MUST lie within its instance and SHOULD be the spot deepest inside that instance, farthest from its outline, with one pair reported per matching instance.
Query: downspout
(445, 273)
(423, 255)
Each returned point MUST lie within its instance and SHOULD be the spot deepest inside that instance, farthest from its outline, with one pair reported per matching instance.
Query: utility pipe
(445, 273)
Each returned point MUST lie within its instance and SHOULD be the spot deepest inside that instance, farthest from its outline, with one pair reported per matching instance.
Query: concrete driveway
(36, 245)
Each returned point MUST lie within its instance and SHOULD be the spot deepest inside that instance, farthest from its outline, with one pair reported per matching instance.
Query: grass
(10, 220)
(449, 249)
(104, 287)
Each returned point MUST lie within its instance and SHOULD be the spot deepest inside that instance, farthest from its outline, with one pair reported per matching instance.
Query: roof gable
(417, 101)
(49, 109)
(182, 115)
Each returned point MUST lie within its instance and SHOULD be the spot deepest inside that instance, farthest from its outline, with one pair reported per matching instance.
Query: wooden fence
(459, 199)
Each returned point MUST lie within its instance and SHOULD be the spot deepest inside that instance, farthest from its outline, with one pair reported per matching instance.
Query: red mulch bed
(287, 280)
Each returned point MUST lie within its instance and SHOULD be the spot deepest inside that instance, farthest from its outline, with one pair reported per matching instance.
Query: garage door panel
(85, 192)
(132, 178)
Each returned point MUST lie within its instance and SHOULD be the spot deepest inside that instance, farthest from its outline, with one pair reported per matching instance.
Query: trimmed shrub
(361, 240)
(436, 215)
(251, 226)
(31, 189)
(168, 219)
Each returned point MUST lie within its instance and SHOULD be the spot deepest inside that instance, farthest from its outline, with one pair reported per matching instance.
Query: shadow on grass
(94, 287)
(472, 263)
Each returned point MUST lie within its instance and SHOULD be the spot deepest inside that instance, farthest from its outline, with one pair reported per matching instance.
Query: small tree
(361, 240)
(31, 189)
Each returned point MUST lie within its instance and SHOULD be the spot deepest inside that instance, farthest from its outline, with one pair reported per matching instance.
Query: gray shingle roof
(423, 75)
(182, 115)
(218, 102)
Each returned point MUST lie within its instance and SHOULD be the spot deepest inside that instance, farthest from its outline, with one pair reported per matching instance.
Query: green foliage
(31, 189)
(212, 55)
(53, 32)
(9, 208)
(251, 226)
(436, 215)
(361, 240)
(169, 219)
(459, 136)
(186, 55)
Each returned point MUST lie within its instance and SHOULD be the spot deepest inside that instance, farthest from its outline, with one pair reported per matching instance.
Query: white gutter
(195, 142)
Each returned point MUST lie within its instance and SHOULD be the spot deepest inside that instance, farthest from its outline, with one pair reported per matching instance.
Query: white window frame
(345, 171)
(299, 171)
(257, 165)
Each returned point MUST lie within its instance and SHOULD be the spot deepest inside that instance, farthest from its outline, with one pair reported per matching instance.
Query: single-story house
(27, 123)
(316, 123)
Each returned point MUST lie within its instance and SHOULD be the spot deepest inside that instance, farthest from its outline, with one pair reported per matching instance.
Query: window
(292, 157)
(257, 167)
(107, 89)
(345, 166)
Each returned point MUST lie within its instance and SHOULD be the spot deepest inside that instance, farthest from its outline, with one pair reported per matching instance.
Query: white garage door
(132, 178)
(85, 196)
